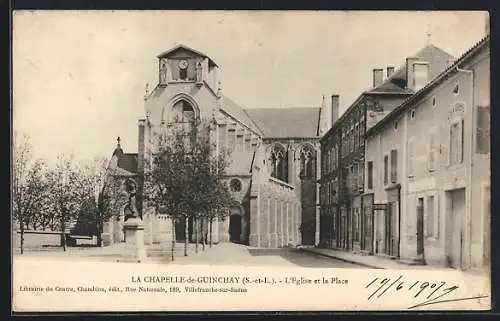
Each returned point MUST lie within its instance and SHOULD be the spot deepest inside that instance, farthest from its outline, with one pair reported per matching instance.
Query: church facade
(274, 157)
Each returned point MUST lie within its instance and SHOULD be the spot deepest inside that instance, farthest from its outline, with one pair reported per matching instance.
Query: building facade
(273, 156)
(347, 212)
(434, 150)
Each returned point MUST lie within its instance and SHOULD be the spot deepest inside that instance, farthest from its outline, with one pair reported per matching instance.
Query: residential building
(346, 210)
(428, 168)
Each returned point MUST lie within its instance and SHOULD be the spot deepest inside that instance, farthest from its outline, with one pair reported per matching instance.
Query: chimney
(390, 71)
(420, 74)
(487, 24)
(335, 109)
(378, 77)
(410, 73)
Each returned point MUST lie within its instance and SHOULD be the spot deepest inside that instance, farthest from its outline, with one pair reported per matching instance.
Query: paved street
(221, 254)
(236, 254)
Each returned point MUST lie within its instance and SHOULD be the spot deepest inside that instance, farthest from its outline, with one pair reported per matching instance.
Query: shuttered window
(386, 169)
(411, 156)
(483, 130)
(433, 151)
(456, 142)
(370, 174)
(394, 166)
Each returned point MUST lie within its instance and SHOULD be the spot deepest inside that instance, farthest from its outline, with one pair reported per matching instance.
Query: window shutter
(432, 151)
(386, 169)
(410, 158)
(483, 130)
(394, 165)
(461, 142)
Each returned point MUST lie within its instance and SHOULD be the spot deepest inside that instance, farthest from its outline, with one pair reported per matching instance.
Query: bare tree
(29, 185)
(66, 193)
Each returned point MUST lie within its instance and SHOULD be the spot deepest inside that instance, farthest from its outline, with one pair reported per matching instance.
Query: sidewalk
(371, 261)
(156, 253)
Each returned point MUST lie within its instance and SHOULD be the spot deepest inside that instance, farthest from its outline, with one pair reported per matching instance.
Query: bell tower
(182, 64)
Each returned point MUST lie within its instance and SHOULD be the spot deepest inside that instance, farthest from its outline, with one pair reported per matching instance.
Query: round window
(235, 185)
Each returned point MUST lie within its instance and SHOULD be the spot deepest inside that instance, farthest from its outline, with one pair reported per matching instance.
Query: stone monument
(133, 227)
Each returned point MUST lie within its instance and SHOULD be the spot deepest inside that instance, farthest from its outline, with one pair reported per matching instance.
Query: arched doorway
(235, 228)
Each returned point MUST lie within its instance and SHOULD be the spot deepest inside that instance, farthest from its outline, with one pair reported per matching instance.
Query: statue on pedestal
(130, 210)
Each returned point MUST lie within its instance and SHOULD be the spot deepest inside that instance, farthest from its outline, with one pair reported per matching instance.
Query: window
(456, 89)
(240, 143)
(231, 138)
(222, 135)
(362, 133)
(412, 114)
(355, 224)
(433, 151)
(248, 142)
(394, 166)
(411, 155)
(432, 218)
(306, 162)
(396, 125)
(433, 101)
(483, 130)
(183, 112)
(386, 169)
(279, 163)
(361, 176)
(370, 174)
(456, 142)
(235, 185)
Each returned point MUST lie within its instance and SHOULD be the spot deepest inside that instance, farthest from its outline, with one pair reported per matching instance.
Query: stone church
(274, 155)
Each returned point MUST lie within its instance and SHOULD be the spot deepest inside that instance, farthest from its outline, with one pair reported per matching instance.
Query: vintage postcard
(250, 161)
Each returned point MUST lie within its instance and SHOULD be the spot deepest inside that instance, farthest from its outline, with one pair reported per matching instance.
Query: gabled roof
(181, 46)
(292, 122)
(437, 59)
(236, 111)
(128, 162)
(408, 103)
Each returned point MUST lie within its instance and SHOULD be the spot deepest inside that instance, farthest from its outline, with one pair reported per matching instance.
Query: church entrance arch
(235, 228)
(236, 222)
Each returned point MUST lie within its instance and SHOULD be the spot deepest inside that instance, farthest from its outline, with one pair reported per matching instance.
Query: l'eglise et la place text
(63, 289)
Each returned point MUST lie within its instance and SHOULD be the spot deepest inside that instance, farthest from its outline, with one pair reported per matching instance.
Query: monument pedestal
(135, 250)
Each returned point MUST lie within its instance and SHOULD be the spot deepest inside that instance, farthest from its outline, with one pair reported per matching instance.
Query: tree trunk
(202, 234)
(21, 225)
(99, 233)
(63, 236)
(186, 236)
(196, 235)
(210, 236)
(172, 251)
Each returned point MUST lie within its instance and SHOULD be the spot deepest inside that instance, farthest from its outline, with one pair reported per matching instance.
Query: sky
(79, 76)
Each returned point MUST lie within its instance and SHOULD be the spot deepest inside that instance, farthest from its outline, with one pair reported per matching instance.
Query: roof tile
(287, 122)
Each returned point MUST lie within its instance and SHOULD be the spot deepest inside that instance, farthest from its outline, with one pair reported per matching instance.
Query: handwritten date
(429, 292)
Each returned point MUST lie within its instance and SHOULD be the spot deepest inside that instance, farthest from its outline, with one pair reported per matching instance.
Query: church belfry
(182, 64)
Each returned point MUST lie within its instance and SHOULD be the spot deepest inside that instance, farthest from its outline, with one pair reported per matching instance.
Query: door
(391, 241)
(457, 214)
(235, 228)
(420, 227)
(487, 228)
(388, 231)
